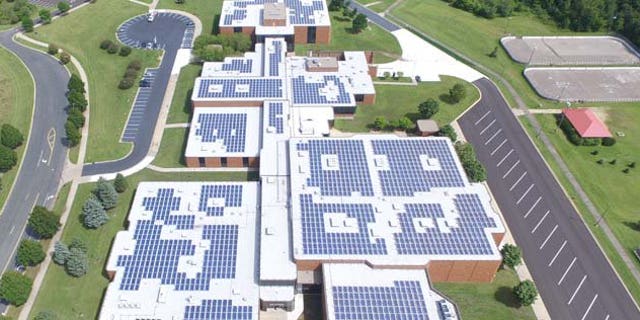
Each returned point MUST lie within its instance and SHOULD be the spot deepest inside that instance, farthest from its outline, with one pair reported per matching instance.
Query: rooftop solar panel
(403, 301)
(218, 310)
(327, 89)
(228, 128)
(255, 88)
(275, 116)
(240, 65)
(275, 59)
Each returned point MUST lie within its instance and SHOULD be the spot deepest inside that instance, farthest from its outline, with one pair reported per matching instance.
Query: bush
(8, 158)
(60, 253)
(27, 24)
(43, 222)
(76, 117)
(105, 44)
(75, 84)
(473, 168)
(30, 253)
(428, 108)
(45, 16)
(126, 83)
(93, 214)
(130, 73)
(457, 93)
(113, 48)
(125, 51)
(64, 7)
(608, 141)
(511, 255)
(45, 315)
(526, 292)
(106, 193)
(73, 133)
(359, 23)
(77, 100)
(15, 288)
(65, 58)
(404, 123)
(52, 49)
(135, 64)
(10, 136)
(77, 264)
(120, 183)
(448, 131)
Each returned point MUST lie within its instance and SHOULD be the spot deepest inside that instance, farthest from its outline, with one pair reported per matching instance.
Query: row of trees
(10, 138)
(525, 291)
(113, 48)
(130, 75)
(45, 16)
(472, 167)
(358, 20)
(209, 47)
(75, 112)
(13, 11)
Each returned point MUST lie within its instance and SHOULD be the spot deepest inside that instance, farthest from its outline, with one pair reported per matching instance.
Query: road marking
(533, 206)
(607, 317)
(567, 271)
(548, 237)
(488, 126)
(505, 157)
(525, 193)
(493, 136)
(577, 289)
(500, 146)
(557, 253)
(512, 167)
(590, 305)
(519, 179)
(539, 222)
(12, 229)
(51, 139)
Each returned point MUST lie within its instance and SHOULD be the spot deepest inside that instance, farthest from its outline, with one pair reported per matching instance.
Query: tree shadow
(186, 107)
(413, 116)
(505, 296)
(341, 18)
(446, 98)
(216, 21)
(634, 225)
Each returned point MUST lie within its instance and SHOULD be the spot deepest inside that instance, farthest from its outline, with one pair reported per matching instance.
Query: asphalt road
(168, 30)
(570, 271)
(374, 17)
(38, 179)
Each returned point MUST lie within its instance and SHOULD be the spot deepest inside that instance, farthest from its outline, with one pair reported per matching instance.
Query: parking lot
(136, 117)
(140, 33)
(586, 84)
(570, 50)
(54, 3)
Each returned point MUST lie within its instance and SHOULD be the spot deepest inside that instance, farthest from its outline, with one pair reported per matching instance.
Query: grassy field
(378, 5)
(611, 190)
(476, 37)
(180, 111)
(374, 38)
(76, 298)
(493, 301)
(394, 102)
(16, 108)
(171, 154)
(80, 34)
(205, 10)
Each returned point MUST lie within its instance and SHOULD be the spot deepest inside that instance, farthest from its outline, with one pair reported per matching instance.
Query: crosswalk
(136, 117)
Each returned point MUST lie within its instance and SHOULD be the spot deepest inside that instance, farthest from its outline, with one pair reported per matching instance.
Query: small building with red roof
(586, 123)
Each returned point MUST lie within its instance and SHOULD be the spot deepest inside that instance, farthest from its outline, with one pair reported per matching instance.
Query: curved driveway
(45, 155)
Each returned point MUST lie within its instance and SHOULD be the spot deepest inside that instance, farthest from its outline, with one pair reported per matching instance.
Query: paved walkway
(176, 125)
(184, 169)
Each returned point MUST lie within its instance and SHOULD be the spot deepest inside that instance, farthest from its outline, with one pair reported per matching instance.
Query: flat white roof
(248, 13)
(225, 132)
(250, 65)
(356, 291)
(387, 200)
(187, 253)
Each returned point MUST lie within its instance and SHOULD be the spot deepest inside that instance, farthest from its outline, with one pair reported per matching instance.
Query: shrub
(65, 58)
(77, 243)
(359, 23)
(15, 287)
(120, 183)
(73, 133)
(52, 49)
(126, 83)
(130, 73)
(404, 123)
(45, 315)
(27, 23)
(125, 51)
(135, 64)
(105, 44)
(474, 169)
(93, 214)
(511, 255)
(8, 158)
(45, 16)
(608, 141)
(428, 108)
(76, 117)
(43, 222)
(30, 253)
(60, 253)
(64, 7)
(448, 131)
(600, 161)
(591, 142)
(77, 100)
(457, 93)
(10, 136)
(75, 83)
(113, 48)
(526, 292)
(77, 264)
(632, 164)
(625, 170)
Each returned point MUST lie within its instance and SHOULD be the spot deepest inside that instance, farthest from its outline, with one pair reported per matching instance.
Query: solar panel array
(258, 88)
(238, 15)
(240, 65)
(276, 118)
(407, 174)
(232, 195)
(230, 128)
(402, 301)
(157, 258)
(311, 92)
(218, 310)
(275, 59)
(302, 13)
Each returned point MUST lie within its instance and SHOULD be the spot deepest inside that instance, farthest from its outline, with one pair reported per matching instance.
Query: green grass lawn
(80, 33)
(491, 301)
(476, 37)
(171, 154)
(206, 10)
(374, 38)
(394, 102)
(16, 108)
(378, 5)
(76, 298)
(611, 190)
(180, 111)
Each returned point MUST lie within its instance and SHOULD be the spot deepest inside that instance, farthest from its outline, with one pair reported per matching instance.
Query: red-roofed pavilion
(586, 123)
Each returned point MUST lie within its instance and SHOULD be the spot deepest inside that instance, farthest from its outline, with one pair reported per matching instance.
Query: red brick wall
(323, 35)
(192, 162)
(463, 271)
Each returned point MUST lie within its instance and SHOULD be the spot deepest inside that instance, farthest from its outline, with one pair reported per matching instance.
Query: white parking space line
(533, 206)
(589, 308)
(577, 289)
(498, 147)
(488, 126)
(540, 222)
(548, 237)
(482, 118)
(607, 317)
(493, 136)
(505, 157)
(567, 271)
(525, 193)
(516, 183)
(557, 253)
(511, 169)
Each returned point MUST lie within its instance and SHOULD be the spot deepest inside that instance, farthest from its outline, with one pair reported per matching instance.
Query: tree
(126, 83)
(65, 57)
(336, 5)
(77, 243)
(45, 315)
(30, 253)
(64, 7)
(8, 158)
(125, 51)
(77, 264)
(404, 123)
(457, 93)
(52, 49)
(43, 222)
(608, 141)
(113, 48)
(104, 44)
(120, 183)
(10, 136)
(379, 123)
(77, 100)
(526, 292)
(428, 108)
(511, 255)
(135, 64)
(60, 253)
(76, 116)
(448, 131)
(73, 134)
(472, 167)
(359, 23)
(27, 23)
(15, 288)
(45, 16)
(106, 193)
(75, 84)
(93, 214)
